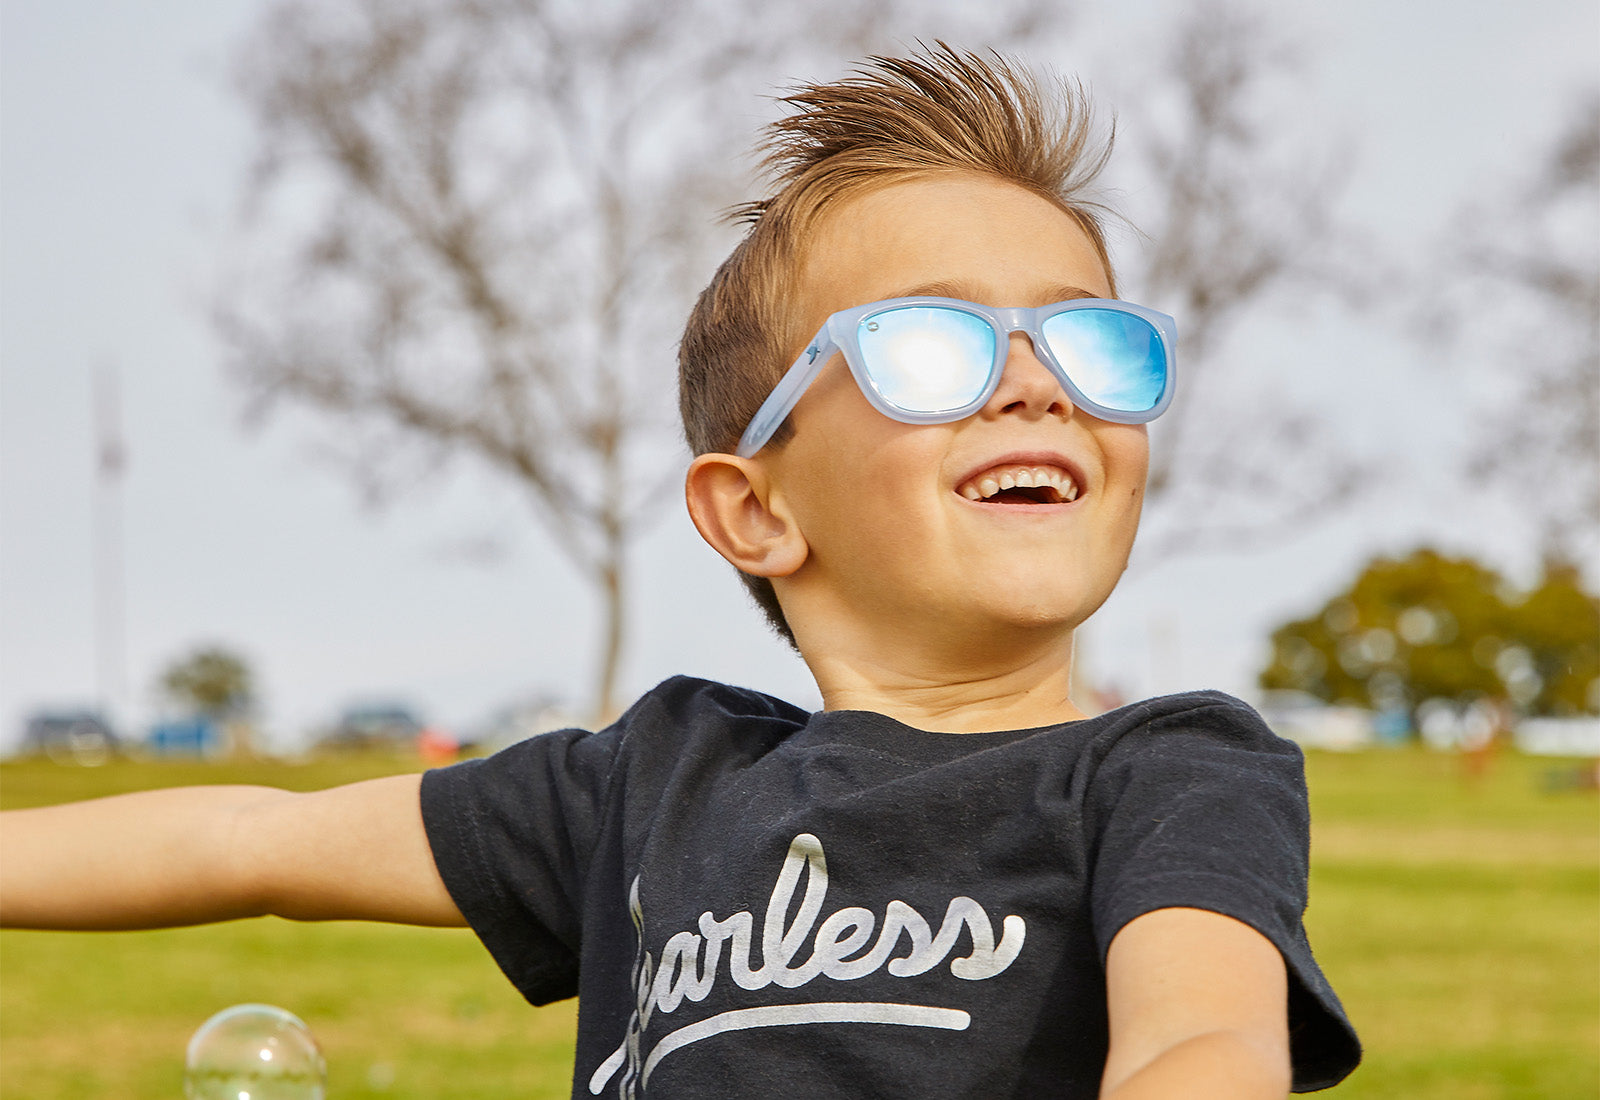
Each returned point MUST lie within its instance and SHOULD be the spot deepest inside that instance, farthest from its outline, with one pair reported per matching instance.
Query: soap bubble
(254, 1052)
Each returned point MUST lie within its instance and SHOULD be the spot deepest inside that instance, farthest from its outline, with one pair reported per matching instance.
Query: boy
(949, 882)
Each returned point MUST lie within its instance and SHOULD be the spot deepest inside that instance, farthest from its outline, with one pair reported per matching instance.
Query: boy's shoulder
(1163, 722)
(682, 699)
(681, 711)
(1207, 706)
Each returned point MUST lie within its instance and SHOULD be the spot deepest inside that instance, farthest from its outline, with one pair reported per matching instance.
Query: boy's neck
(1022, 688)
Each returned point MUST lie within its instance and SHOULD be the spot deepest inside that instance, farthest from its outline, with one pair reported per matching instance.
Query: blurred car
(1309, 722)
(80, 737)
(375, 725)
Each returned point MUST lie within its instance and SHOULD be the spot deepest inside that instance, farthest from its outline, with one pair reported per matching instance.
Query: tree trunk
(613, 610)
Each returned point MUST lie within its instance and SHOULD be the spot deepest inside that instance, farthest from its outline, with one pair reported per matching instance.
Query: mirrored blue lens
(1115, 359)
(927, 359)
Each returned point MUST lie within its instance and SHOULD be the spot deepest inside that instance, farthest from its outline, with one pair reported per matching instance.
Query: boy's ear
(735, 508)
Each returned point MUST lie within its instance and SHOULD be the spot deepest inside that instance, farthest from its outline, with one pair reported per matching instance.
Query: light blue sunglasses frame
(841, 332)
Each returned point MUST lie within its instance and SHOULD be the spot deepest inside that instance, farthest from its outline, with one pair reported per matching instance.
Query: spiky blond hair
(938, 110)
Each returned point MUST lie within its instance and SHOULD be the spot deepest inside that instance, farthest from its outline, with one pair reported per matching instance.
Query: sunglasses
(939, 360)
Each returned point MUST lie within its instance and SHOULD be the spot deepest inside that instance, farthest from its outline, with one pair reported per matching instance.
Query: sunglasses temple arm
(786, 394)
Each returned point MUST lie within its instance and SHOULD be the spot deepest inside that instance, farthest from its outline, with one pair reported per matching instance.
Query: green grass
(400, 1013)
(1458, 916)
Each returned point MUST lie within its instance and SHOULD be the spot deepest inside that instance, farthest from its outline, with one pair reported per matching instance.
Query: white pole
(110, 462)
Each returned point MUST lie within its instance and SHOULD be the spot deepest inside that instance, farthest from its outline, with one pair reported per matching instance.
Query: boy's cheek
(1137, 440)
(1126, 449)
(1128, 466)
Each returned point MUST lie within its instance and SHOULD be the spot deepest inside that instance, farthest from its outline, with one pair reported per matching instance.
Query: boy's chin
(1045, 620)
(1020, 617)
(1064, 595)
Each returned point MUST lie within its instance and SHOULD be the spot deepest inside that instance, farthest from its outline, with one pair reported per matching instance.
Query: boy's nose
(1027, 387)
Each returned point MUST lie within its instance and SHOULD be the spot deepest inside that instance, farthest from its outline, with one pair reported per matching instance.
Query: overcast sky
(122, 154)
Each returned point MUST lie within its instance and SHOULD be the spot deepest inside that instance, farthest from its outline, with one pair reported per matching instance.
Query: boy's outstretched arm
(1198, 1005)
(192, 855)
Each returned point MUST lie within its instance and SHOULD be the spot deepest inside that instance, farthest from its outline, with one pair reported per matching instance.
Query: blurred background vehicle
(385, 724)
(71, 737)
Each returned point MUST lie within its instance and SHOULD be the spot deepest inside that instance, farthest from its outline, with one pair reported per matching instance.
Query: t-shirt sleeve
(1206, 808)
(512, 835)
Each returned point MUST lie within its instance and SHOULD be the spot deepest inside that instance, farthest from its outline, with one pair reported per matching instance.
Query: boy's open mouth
(1020, 484)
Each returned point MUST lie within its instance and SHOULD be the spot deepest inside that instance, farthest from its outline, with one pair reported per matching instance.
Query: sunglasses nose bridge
(1015, 319)
(1034, 380)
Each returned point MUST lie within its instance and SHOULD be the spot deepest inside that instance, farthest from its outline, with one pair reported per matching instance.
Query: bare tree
(1521, 271)
(1240, 223)
(478, 223)
(485, 207)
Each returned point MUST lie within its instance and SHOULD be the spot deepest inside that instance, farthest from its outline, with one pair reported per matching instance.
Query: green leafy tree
(1429, 626)
(212, 681)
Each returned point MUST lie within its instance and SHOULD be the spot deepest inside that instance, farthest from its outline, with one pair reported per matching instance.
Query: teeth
(992, 482)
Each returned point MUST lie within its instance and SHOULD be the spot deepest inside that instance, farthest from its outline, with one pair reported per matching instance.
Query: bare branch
(1242, 221)
(1531, 247)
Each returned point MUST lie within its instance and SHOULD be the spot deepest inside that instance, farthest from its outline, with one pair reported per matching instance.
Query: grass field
(1458, 916)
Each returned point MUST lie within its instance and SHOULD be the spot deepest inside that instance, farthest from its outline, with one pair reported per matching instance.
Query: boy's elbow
(254, 864)
(1260, 1064)
(280, 862)
(1225, 1064)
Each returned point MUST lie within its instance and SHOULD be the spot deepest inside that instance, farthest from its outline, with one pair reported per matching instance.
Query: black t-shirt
(750, 900)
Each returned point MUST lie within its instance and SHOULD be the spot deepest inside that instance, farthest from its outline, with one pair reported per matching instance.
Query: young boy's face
(884, 506)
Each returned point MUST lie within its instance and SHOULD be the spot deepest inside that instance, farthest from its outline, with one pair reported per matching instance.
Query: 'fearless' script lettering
(691, 962)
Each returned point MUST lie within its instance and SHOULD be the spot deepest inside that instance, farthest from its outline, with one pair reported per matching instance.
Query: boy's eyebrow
(952, 289)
